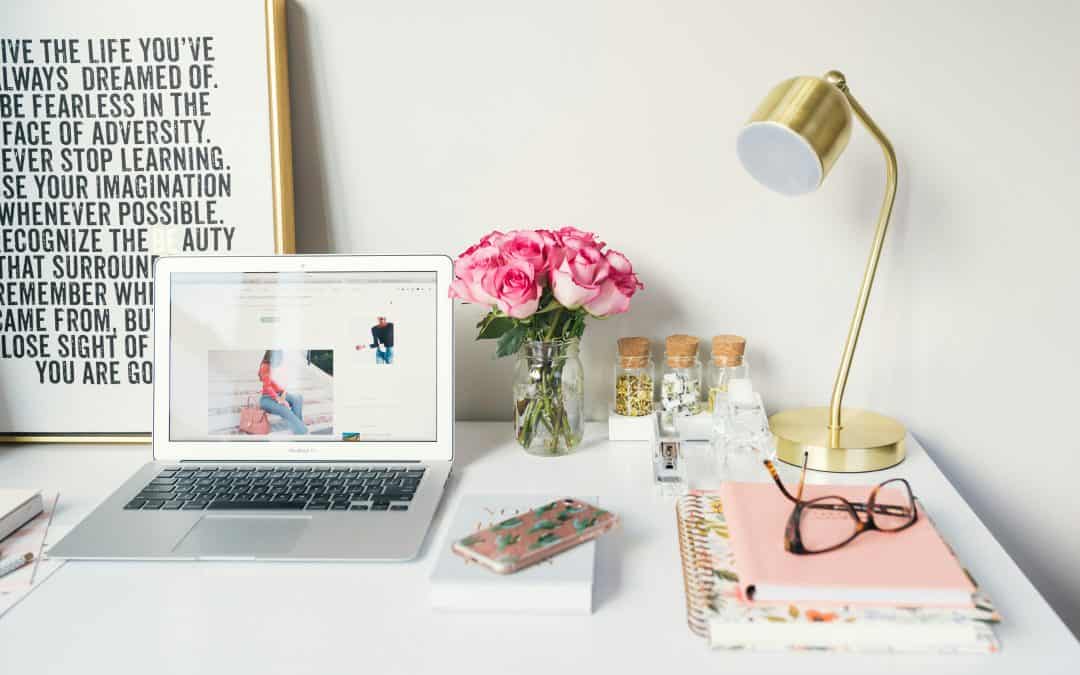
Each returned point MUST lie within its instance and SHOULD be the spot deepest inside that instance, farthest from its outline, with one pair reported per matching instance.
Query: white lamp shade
(779, 158)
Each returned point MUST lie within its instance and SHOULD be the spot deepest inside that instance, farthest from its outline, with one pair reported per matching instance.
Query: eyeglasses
(827, 523)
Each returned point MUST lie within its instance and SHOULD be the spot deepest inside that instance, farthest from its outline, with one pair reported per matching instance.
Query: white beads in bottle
(680, 385)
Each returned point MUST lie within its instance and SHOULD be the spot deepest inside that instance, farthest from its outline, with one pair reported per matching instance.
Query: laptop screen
(322, 356)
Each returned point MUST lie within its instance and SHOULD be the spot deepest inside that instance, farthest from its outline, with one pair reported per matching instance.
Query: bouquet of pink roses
(542, 284)
(539, 287)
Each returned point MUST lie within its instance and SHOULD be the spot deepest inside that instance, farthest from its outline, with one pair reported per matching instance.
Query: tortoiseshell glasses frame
(904, 515)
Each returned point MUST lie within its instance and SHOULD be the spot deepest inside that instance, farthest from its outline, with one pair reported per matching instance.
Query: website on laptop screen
(323, 356)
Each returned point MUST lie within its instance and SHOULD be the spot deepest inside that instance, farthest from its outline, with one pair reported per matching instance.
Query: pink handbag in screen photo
(253, 419)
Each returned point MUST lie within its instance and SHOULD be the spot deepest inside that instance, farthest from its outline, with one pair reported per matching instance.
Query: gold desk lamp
(789, 145)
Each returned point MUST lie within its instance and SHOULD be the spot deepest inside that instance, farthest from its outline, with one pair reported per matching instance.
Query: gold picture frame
(280, 143)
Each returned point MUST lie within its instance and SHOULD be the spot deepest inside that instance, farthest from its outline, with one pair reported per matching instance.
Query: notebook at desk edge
(717, 610)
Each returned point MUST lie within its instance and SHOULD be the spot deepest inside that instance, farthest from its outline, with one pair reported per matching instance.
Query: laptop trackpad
(243, 536)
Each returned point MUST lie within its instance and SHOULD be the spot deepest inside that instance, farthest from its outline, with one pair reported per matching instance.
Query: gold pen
(9, 565)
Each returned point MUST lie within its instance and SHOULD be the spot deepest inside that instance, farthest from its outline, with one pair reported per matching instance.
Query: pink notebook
(909, 568)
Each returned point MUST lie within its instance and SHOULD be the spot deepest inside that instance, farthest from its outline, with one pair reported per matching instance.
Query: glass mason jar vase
(549, 397)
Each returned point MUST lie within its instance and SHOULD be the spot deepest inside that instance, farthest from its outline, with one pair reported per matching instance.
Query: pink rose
(573, 238)
(617, 289)
(474, 273)
(550, 238)
(530, 246)
(516, 289)
(555, 251)
(509, 271)
(495, 238)
(576, 281)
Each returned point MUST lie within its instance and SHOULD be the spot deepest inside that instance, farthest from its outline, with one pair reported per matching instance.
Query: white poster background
(238, 122)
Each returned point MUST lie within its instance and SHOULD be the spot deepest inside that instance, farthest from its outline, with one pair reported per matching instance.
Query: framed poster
(129, 129)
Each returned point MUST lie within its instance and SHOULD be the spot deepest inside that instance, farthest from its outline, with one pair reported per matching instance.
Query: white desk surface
(168, 617)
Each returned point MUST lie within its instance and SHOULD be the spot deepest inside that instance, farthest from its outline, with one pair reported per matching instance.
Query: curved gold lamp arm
(835, 423)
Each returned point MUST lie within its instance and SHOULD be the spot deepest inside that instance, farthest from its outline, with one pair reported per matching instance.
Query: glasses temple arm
(779, 483)
(802, 476)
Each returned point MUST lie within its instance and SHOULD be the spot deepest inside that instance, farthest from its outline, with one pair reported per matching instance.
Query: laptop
(303, 410)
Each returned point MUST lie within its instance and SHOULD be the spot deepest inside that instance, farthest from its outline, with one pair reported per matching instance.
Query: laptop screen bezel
(294, 450)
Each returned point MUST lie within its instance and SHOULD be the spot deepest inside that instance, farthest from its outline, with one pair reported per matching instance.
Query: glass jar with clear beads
(680, 384)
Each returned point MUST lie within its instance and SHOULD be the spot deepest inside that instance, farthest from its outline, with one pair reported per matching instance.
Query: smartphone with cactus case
(534, 535)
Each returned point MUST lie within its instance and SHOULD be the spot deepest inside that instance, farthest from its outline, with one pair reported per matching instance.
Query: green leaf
(726, 575)
(577, 324)
(471, 540)
(511, 340)
(541, 510)
(509, 523)
(547, 304)
(494, 327)
(543, 525)
(582, 524)
(504, 540)
(546, 540)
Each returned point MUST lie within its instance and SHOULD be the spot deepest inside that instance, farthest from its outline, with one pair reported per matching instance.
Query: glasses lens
(825, 523)
(894, 505)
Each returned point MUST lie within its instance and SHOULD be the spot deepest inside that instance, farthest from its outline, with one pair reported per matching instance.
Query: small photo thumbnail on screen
(375, 334)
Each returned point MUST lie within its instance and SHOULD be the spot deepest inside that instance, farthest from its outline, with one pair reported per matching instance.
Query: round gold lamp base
(867, 442)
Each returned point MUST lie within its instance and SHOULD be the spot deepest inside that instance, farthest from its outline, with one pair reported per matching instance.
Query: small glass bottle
(680, 386)
(634, 378)
(741, 438)
(727, 363)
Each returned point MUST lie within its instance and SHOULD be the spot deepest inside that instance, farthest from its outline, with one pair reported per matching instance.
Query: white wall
(418, 126)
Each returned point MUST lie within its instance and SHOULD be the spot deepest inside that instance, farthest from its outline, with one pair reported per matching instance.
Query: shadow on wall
(481, 381)
(313, 231)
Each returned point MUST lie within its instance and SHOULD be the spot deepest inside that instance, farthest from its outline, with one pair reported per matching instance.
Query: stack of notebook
(900, 592)
(559, 585)
(32, 512)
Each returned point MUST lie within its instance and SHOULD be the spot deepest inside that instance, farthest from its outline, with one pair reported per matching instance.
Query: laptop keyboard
(215, 488)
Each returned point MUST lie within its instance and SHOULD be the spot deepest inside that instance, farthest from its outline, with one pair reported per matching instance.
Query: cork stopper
(728, 350)
(680, 350)
(633, 352)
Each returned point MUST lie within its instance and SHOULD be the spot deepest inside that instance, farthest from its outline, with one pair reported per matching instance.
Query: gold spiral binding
(696, 562)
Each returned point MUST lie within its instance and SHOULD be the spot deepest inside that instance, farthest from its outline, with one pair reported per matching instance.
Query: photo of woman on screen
(275, 400)
(382, 341)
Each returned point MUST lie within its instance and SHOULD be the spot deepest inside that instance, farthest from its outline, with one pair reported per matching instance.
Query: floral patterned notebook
(717, 611)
